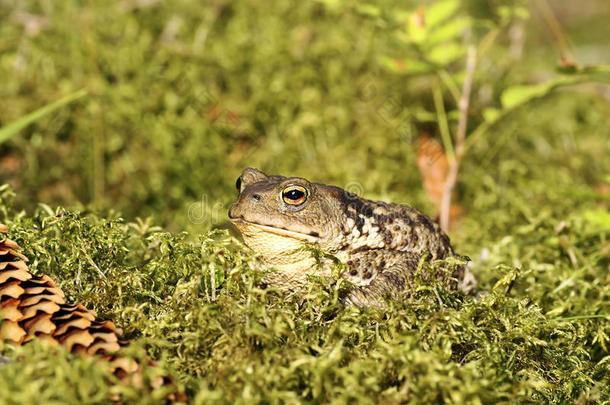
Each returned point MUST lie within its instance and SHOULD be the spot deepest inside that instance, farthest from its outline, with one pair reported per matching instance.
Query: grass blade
(12, 129)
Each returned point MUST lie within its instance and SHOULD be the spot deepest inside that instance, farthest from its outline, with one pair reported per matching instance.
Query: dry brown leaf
(434, 167)
(603, 189)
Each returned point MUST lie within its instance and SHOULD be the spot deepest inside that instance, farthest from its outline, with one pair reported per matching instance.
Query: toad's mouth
(312, 237)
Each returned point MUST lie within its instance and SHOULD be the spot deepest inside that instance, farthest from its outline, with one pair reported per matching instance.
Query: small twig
(488, 41)
(557, 30)
(454, 164)
(213, 281)
(204, 275)
(80, 267)
(205, 284)
(438, 297)
(92, 263)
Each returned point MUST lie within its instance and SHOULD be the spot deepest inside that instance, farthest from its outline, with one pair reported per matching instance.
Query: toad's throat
(312, 237)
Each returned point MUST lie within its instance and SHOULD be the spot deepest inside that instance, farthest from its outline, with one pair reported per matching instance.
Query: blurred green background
(183, 95)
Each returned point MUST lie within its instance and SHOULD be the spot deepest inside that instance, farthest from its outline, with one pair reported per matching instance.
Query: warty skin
(381, 244)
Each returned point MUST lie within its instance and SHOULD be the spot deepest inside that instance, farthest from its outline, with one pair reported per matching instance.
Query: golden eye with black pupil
(294, 195)
(238, 184)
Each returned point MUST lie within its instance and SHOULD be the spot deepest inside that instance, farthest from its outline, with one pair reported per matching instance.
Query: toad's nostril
(256, 197)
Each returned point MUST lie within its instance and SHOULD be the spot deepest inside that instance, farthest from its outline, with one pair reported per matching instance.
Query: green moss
(540, 333)
(183, 96)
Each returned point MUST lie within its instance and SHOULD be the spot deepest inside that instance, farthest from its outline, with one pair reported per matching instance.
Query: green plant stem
(442, 118)
(12, 129)
(556, 29)
(448, 81)
(487, 41)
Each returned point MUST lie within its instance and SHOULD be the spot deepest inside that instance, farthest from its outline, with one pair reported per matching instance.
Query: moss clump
(539, 334)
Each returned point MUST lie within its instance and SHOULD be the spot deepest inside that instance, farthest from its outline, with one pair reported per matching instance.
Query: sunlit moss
(532, 336)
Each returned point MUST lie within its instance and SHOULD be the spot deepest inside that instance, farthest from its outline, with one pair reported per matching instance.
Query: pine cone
(34, 307)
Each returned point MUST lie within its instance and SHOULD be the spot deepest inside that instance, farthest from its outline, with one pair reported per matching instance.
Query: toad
(379, 244)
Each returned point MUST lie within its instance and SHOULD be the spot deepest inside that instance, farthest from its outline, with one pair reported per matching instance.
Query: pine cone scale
(33, 306)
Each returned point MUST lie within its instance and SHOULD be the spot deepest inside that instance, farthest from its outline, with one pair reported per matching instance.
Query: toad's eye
(294, 195)
(238, 184)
